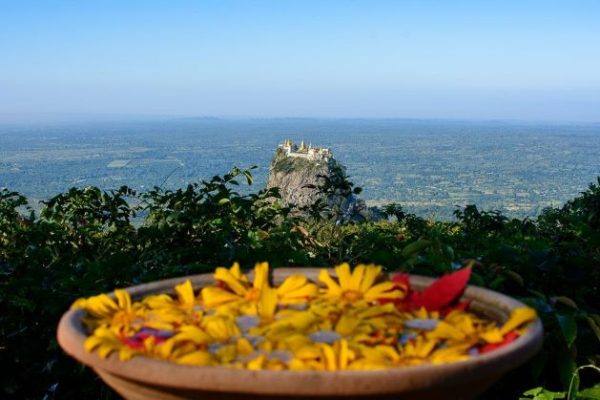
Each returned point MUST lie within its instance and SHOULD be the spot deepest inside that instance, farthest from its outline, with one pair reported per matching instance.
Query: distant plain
(428, 166)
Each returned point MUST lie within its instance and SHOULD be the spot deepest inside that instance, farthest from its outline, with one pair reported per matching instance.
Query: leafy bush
(87, 241)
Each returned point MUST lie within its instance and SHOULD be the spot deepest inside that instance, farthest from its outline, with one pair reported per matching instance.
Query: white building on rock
(308, 152)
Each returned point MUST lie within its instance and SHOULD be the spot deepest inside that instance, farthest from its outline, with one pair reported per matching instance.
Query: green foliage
(573, 392)
(87, 241)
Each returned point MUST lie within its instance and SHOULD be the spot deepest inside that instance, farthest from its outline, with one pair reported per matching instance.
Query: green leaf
(415, 247)
(594, 326)
(592, 393)
(249, 178)
(566, 367)
(224, 200)
(568, 326)
(533, 392)
(540, 393)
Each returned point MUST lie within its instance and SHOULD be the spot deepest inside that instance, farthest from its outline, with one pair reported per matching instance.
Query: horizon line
(67, 118)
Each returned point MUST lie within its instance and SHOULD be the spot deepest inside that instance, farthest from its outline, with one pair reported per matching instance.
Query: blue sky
(531, 60)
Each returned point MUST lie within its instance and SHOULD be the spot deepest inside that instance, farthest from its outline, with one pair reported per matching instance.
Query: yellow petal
(334, 290)
(450, 354)
(125, 354)
(343, 273)
(261, 275)
(424, 347)
(347, 324)
(301, 295)
(196, 358)
(256, 363)
(91, 343)
(389, 352)
(244, 347)
(344, 354)
(123, 299)
(220, 328)
(356, 278)
(383, 291)
(104, 350)
(185, 294)
(234, 283)
(101, 306)
(329, 356)
(214, 296)
(492, 336)
(444, 330)
(78, 304)
(237, 272)
(518, 317)
(370, 275)
(291, 283)
(267, 303)
(193, 334)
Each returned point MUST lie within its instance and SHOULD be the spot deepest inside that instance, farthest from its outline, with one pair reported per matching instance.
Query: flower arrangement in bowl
(304, 333)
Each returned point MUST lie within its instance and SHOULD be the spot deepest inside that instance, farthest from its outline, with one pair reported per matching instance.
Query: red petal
(462, 306)
(133, 343)
(445, 290)
(509, 338)
(402, 280)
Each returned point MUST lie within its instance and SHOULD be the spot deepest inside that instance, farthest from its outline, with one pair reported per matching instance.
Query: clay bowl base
(132, 390)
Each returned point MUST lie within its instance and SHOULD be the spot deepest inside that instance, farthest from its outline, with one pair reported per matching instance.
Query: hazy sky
(535, 60)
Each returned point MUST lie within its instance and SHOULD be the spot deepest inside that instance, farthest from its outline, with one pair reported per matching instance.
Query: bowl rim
(71, 336)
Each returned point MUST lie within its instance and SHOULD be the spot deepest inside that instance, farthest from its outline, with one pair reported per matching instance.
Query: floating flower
(358, 320)
(166, 312)
(234, 289)
(296, 289)
(107, 340)
(105, 311)
(359, 285)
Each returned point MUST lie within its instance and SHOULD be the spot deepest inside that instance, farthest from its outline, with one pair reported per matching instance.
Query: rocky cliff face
(292, 175)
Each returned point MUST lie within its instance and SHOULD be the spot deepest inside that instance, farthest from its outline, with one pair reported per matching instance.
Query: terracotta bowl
(146, 378)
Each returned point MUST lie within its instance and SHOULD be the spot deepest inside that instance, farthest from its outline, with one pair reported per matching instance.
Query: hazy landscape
(428, 166)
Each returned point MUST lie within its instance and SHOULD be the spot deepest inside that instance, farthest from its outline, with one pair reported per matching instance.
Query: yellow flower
(376, 357)
(107, 340)
(465, 328)
(194, 335)
(299, 322)
(363, 322)
(324, 357)
(417, 350)
(107, 312)
(237, 288)
(359, 285)
(166, 312)
(296, 326)
(425, 350)
(220, 328)
(296, 290)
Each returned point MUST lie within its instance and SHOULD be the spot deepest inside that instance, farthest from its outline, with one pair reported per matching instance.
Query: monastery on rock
(308, 152)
